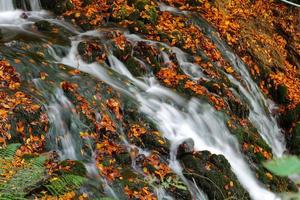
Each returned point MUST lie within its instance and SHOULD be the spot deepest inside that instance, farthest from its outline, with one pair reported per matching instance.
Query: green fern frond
(38, 161)
(64, 184)
(24, 177)
(9, 152)
(23, 180)
(10, 196)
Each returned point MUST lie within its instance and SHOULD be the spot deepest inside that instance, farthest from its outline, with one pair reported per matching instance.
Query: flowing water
(178, 118)
(9, 5)
(6, 5)
(260, 107)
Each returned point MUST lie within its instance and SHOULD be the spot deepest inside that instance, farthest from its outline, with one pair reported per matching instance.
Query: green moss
(289, 117)
(279, 94)
(213, 180)
(135, 67)
(139, 4)
(153, 13)
(294, 141)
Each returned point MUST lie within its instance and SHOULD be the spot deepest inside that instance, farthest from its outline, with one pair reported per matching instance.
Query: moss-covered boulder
(213, 175)
(294, 140)
(92, 51)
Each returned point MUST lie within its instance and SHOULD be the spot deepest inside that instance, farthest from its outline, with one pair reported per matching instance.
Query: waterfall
(177, 118)
(6, 5)
(260, 108)
(60, 117)
(35, 5)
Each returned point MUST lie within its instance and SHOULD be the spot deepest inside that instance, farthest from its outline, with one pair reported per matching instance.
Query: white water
(35, 5)
(6, 5)
(260, 108)
(58, 111)
(178, 119)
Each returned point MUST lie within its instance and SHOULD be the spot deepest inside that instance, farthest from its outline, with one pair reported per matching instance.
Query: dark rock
(92, 51)
(185, 147)
(279, 94)
(238, 108)
(289, 117)
(44, 25)
(294, 140)
(58, 6)
(212, 173)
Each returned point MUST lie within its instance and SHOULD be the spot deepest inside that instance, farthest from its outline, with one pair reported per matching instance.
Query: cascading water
(60, 116)
(260, 108)
(6, 5)
(35, 5)
(179, 119)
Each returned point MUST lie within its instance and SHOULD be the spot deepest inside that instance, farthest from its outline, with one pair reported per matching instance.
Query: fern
(9, 152)
(64, 184)
(10, 196)
(38, 161)
(24, 176)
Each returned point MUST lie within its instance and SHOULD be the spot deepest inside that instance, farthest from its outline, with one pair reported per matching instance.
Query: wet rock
(58, 6)
(279, 94)
(212, 173)
(72, 167)
(294, 140)
(123, 158)
(140, 6)
(287, 118)
(187, 146)
(1, 34)
(57, 33)
(194, 2)
(44, 25)
(294, 55)
(238, 108)
(24, 16)
(92, 51)
(156, 142)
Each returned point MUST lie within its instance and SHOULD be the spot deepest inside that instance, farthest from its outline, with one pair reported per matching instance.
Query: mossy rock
(75, 167)
(279, 94)
(289, 117)
(212, 173)
(136, 68)
(195, 2)
(92, 51)
(57, 6)
(238, 108)
(294, 140)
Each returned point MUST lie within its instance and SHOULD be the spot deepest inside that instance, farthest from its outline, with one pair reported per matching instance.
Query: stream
(179, 118)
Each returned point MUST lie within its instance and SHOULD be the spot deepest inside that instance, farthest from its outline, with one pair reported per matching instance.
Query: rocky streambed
(144, 99)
